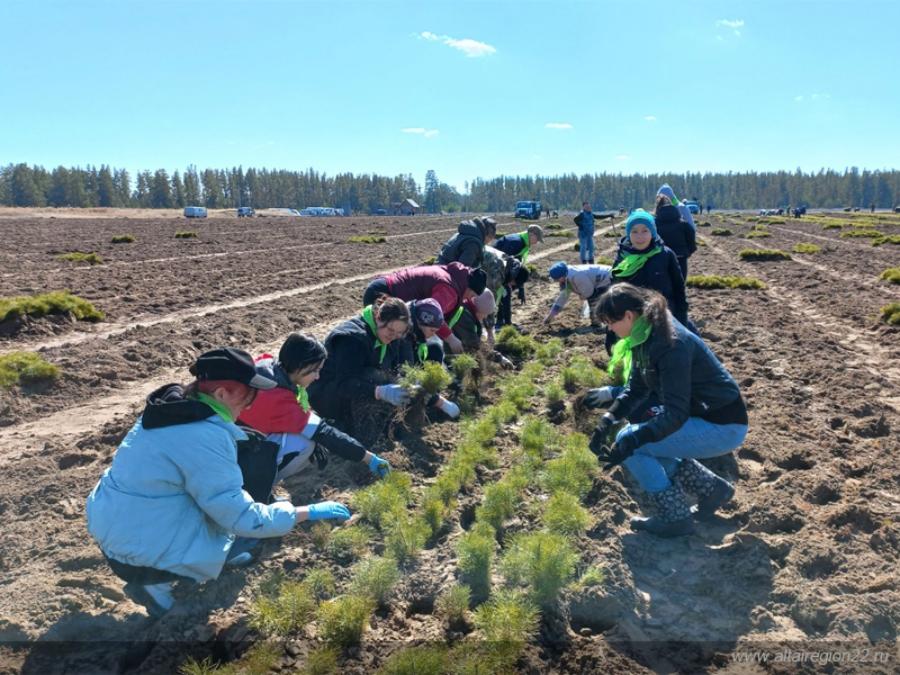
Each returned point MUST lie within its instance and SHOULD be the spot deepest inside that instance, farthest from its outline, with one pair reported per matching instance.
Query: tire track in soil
(94, 413)
(838, 331)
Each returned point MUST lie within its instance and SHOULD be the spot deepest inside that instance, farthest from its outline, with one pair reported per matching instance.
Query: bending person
(170, 505)
(701, 413)
(588, 282)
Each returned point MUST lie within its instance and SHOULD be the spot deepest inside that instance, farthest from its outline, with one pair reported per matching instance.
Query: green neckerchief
(621, 351)
(423, 352)
(368, 316)
(456, 317)
(524, 252)
(633, 262)
(303, 398)
(500, 293)
(220, 408)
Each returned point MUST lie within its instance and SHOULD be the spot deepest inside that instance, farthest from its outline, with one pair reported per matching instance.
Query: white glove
(394, 394)
(455, 344)
(449, 407)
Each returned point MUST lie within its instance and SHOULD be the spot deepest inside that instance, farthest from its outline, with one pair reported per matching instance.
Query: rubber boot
(673, 514)
(711, 491)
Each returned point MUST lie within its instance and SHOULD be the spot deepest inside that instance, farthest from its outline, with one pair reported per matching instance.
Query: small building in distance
(407, 207)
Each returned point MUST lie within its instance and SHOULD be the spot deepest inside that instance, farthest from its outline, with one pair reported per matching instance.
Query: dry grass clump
(890, 314)
(803, 247)
(55, 302)
(123, 239)
(78, 256)
(891, 274)
(721, 232)
(716, 282)
(186, 234)
(752, 254)
(25, 368)
(367, 239)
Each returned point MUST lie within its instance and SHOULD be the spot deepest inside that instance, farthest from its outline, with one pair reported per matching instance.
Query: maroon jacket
(444, 283)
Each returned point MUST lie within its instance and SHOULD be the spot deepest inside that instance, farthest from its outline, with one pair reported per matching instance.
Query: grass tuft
(367, 239)
(763, 254)
(804, 247)
(78, 256)
(320, 661)
(25, 368)
(890, 314)
(715, 282)
(186, 234)
(891, 274)
(54, 302)
(123, 239)
(721, 232)
(418, 660)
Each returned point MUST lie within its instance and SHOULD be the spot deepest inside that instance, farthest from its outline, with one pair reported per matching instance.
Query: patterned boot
(673, 517)
(710, 490)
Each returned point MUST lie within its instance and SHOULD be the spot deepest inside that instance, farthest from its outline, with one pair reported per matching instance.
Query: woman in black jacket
(677, 234)
(701, 413)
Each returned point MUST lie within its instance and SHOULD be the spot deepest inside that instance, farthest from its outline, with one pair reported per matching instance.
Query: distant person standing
(585, 223)
(675, 233)
(708, 208)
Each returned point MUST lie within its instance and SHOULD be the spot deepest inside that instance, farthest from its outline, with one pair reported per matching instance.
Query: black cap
(230, 364)
(477, 280)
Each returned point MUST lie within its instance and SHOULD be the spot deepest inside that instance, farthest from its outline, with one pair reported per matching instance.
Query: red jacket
(444, 283)
(276, 411)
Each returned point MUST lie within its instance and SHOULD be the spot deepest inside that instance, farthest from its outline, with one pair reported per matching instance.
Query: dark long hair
(623, 297)
(387, 309)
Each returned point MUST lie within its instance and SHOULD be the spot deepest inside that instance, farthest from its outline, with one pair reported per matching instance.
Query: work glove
(319, 456)
(394, 394)
(521, 295)
(379, 466)
(598, 439)
(600, 397)
(621, 450)
(328, 511)
(455, 344)
(449, 407)
(505, 362)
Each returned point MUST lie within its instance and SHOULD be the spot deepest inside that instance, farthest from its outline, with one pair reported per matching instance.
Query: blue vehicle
(195, 212)
(693, 206)
(528, 210)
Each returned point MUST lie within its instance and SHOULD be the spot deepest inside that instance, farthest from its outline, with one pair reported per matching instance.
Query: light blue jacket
(173, 500)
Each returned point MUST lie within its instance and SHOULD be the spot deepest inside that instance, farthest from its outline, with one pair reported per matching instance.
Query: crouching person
(284, 414)
(423, 344)
(170, 505)
(357, 387)
(701, 413)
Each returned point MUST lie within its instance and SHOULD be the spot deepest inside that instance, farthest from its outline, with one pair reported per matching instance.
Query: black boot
(673, 517)
(711, 490)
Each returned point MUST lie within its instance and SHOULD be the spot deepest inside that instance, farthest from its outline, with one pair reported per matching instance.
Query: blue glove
(327, 511)
(378, 466)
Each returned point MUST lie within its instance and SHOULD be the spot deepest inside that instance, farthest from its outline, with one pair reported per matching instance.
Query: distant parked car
(380, 212)
(195, 212)
(693, 206)
(245, 212)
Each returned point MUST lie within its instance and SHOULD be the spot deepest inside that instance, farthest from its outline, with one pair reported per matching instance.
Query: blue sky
(465, 88)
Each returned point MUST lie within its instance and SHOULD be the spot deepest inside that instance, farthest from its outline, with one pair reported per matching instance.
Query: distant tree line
(24, 185)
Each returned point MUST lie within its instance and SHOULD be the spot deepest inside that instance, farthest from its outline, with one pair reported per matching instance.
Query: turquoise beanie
(642, 217)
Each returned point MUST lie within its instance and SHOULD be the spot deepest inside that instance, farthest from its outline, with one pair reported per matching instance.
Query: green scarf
(303, 398)
(220, 408)
(368, 316)
(633, 262)
(423, 352)
(456, 317)
(525, 251)
(621, 351)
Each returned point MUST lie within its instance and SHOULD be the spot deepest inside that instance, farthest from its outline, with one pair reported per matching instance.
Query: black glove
(621, 450)
(598, 439)
(521, 295)
(319, 456)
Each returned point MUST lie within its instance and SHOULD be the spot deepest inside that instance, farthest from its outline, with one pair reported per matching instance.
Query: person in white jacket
(588, 282)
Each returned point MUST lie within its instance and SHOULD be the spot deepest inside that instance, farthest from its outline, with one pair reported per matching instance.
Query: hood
(626, 247)
(167, 407)
(268, 366)
(469, 229)
(668, 192)
(668, 214)
(459, 276)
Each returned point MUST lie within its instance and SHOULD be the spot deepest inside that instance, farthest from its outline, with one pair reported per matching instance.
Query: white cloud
(798, 99)
(733, 24)
(622, 158)
(811, 97)
(468, 46)
(421, 131)
(558, 125)
(650, 118)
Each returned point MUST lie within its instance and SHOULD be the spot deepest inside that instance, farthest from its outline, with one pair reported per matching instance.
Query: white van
(195, 212)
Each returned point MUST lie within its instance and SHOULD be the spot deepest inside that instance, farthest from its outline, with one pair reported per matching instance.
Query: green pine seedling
(752, 254)
(804, 247)
(389, 495)
(564, 513)
(432, 377)
(123, 239)
(717, 282)
(507, 621)
(891, 274)
(419, 660)
(538, 437)
(54, 302)
(26, 368)
(542, 561)
(348, 543)
(78, 256)
(453, 604)
(342, 621)
(286, 613)
(475, 552)
(890, 314)
(721, 232)
(374, 578)
(406, 536)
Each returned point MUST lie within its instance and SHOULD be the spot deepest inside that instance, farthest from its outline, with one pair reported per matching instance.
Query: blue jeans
(653, 463)
(586, 246)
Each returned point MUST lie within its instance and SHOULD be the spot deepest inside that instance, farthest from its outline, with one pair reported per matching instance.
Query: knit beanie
(477, 280)
(426, 313)
(485, 303)
(642, 217)
(558, 270)
(300, 350)
(668, 192)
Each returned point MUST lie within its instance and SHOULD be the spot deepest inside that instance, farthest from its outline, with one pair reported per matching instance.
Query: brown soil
(806, 554)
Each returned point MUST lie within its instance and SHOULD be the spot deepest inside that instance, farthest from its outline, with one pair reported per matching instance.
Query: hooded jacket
(685, 212)
(677, 234)
(173, 498)
(465, 247)
(277, 411)
(444, 283)
(353, 368)
(585, 222)
(688, 381)
(661, 272)
(513, 245)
